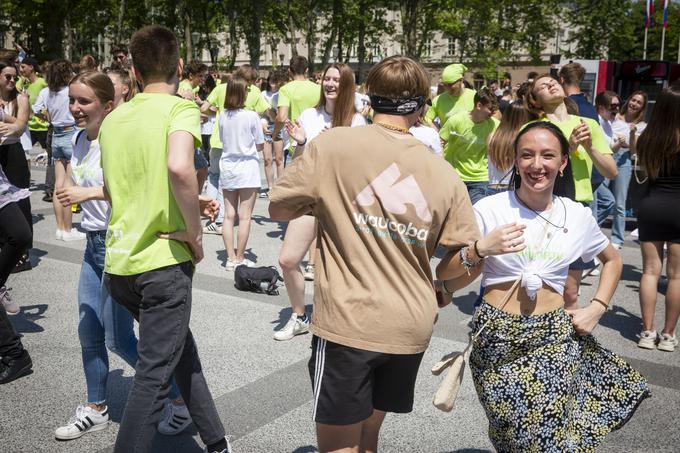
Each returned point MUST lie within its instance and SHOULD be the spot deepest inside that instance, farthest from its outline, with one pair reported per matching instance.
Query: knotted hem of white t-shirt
(531, 283)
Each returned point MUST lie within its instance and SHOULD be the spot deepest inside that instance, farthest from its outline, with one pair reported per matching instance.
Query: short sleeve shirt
(466, 146)
(379, 224)
(581, 163)
(33, 90)
(298, 96)
(445, 105)
(216, 98)
(134, 147)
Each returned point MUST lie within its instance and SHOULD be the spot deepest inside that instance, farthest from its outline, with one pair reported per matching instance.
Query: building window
(451, 46)
(428, 48)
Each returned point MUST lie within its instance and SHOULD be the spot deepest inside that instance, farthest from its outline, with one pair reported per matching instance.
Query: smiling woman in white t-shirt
(535, 365)
(335, 109)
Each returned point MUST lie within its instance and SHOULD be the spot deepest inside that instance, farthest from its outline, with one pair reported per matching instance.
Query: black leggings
(17, 237)
(14, 164)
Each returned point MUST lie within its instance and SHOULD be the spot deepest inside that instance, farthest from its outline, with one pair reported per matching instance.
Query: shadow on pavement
(623, 321)
(284, 316)
(25, 321)
(118, 387)
(35, 255)
(305, 449)
(468, 450)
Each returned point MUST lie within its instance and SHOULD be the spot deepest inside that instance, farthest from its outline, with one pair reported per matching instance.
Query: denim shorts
(199, 160)
(270, 129)
(62, 147)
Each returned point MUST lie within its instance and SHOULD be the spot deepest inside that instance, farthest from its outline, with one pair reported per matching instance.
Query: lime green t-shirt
(581, 163)
(298, 96)
(445, 105)
(466, 145)
(33, 89)
(185, 85)
(254, 102)
(134, 148)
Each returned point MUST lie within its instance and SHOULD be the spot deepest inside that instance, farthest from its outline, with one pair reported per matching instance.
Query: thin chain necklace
(393, 127)
(562, 227)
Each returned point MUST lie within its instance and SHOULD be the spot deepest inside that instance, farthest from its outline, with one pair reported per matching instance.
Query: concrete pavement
(261, 387)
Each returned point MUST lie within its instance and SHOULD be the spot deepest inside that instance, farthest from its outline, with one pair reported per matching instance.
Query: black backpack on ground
(257, 279)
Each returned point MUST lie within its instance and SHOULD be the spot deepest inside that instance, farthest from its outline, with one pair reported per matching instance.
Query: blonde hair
(98, 82)
(398, 78)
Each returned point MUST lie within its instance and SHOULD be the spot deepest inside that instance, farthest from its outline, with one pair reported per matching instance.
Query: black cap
(32, 61)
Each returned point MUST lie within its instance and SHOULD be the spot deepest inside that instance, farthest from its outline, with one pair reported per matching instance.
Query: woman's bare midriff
(547, 299)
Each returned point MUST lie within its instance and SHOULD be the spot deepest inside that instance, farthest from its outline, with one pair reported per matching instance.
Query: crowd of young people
(516, 196)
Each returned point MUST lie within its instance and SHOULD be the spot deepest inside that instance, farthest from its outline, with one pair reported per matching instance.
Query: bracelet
(445, 289)
(467, 264)
(601, 302)
(303, 143)
(477, 250)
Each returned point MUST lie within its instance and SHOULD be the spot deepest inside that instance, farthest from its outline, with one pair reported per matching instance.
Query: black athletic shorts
(349, 383)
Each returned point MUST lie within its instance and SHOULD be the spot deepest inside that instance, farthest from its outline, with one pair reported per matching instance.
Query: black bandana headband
(400, 107)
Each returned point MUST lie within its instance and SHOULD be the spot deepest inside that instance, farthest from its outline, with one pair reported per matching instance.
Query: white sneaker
(667, 342)
(617, 246)
(647, 339)
(59, 235)
(231, 265)
(293, 327)
(248, 263)
(73, 235)
(175, 419)
(212, 228)
(86, 420)
(11, 307)
(308, 272)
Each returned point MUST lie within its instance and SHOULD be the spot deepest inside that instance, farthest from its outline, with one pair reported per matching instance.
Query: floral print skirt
(546, 389)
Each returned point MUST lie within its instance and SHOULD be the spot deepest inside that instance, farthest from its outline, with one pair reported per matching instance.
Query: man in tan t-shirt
(383, 204)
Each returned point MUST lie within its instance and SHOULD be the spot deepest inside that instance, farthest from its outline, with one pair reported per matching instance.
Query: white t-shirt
(7, 110)
(361, 101)
(56, 103)
(429, 137)
(497, 176)
(86, 171)
(314, 121)
(622, 129)
(207, 127)
(606, 126)
(240, 133)
(550, 249)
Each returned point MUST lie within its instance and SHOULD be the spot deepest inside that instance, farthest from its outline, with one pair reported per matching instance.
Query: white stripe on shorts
(319, 362)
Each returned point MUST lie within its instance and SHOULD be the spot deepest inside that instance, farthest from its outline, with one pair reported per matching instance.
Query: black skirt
(658, 216)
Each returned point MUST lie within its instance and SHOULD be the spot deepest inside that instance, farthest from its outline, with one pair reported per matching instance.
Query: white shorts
(240, 174)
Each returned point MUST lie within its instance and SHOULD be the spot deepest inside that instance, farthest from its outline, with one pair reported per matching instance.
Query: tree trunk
(233, 40)
(361, 46)
(328, 46)
(310, 38)
(119, 23)
(253, 28)
(189, 47)
(292, 40)
(68, 52)
(409, 26)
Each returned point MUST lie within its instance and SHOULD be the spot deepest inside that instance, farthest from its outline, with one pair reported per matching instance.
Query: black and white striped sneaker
(86, 420)
(174, 420)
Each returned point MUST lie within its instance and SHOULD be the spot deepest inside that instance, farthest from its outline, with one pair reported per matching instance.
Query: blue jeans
(103, 323)
(603, 203)
(476, 190)
(619, 187)
(62, 147)
(213, 189)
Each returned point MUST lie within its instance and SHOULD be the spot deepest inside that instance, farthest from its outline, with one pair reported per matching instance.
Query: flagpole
(663, 41)
(644, 52)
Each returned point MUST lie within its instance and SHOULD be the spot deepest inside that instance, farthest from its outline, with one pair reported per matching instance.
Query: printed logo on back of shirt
(395, 195)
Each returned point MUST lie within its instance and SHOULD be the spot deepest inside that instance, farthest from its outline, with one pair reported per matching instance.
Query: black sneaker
(14, 368)
(47, 197)
(24, 264)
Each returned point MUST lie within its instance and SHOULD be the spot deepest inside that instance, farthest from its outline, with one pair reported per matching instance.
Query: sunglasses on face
(614, 106)
(9, 78)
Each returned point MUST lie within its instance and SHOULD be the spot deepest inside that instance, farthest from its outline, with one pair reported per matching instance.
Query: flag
(648, 13)
(665, 13)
